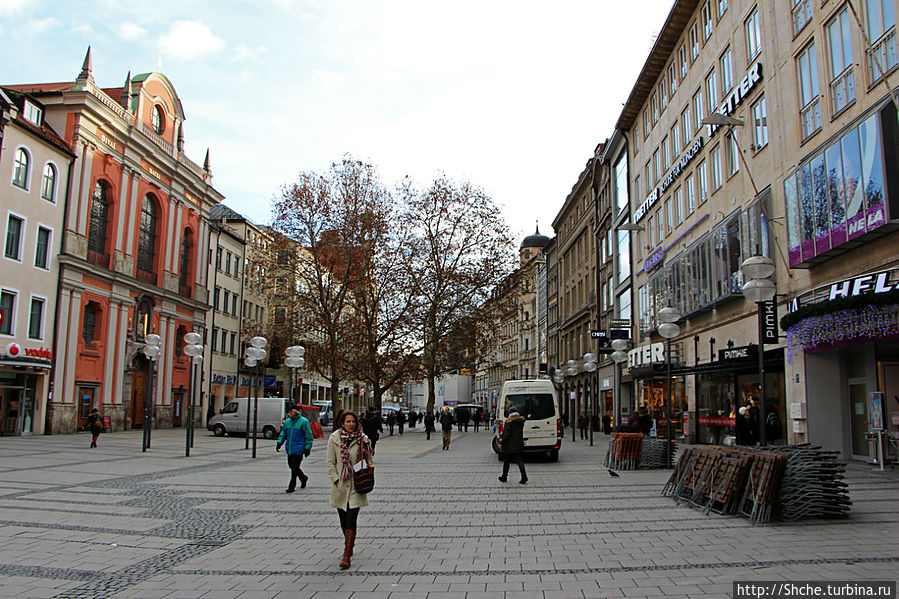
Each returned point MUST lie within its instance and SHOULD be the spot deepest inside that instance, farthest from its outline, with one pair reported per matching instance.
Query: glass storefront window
(838, 194)
(653, 395)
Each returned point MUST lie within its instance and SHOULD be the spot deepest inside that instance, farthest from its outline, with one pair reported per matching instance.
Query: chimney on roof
(86, 73)
(126, 93)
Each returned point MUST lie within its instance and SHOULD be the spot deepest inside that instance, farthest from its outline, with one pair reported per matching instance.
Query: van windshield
(231, 408)
(533, 406)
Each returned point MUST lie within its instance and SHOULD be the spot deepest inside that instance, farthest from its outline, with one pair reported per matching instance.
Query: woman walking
(95, 423)
(347, 446)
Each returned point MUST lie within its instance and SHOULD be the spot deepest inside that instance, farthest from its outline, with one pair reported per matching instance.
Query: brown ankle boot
(352, 540)
(347, 548)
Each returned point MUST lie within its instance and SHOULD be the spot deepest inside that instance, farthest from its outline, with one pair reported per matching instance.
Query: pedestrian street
(113, 522)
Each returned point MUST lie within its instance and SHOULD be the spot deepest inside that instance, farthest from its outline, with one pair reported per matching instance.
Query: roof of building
(535, 241)
(220, 211)
(655, 63)
(44, 131)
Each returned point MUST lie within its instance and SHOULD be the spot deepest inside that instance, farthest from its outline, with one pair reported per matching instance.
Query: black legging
(348, 517)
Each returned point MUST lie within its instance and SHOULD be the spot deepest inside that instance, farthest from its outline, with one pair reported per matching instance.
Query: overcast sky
(513, 96)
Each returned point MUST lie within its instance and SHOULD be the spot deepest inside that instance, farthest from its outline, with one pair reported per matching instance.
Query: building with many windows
(804, 172)
(130, 262)
(34, 162)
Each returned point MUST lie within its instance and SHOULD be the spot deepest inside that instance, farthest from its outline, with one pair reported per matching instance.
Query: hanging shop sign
(769, 324)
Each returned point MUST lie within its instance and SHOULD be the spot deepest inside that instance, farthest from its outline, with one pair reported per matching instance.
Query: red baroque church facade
(132, 259)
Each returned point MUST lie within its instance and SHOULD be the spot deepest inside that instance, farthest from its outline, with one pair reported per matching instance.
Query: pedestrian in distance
(296, 437)
(582, 424)
(371, 426)
(512, 445)
(96, 426)
(446, 425)
(401, 420)
(347, 446)
(429, 424)
(413, 418)
(476, 419)
(391, 422)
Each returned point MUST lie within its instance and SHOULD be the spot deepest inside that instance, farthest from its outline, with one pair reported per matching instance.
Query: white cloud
(243, 53)
(9, 8)
(330, 81)
(38, 26)
(130, 31)
(190, 39)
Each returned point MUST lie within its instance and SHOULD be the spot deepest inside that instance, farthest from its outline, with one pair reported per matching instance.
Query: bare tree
(326, 224)
(462, 249)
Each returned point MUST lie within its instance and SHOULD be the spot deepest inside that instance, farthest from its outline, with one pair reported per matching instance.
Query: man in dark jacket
(401, 420)
(391, 421)
(296, 436)
(371, 426)
(446, 423)
(512, 445)
(429, 424)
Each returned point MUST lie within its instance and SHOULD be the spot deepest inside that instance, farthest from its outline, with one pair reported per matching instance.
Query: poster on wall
(875, 411)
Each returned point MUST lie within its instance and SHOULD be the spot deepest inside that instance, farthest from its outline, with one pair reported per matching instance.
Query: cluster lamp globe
(294, 362)
(759, 290)
(295, 351)
(259, 342)
(256, 353)
(153, 339)
(619, 356)
(193, 338)
(669, 314)
(151, 351)
(669, 330)
(757, 267)
(249, 362)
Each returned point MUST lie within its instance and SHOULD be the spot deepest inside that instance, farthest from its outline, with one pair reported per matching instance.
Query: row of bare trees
(383, 285)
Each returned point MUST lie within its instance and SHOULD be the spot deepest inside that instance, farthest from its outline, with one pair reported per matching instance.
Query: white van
(536, 400)
(232, 419)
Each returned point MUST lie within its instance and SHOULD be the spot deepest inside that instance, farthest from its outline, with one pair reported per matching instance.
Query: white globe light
(589, 357)
(249, 362)
(255, 353)
(295, 351)
(259, 342)
(193, 350)
(759, 290)
(620, 344)
(197, 359)
(669, 330)
(572, 371)
(300, 362)
(757, 267)
(619, 356)
(153, 339)
(590, 366)
(151, 351)
(193, 338)
(292, 362)
(669, 314)
(571, 364)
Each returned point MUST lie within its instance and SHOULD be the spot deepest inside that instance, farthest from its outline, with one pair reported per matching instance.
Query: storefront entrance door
(138, 394)
(177, 406)
(85, 403)
(858, 416)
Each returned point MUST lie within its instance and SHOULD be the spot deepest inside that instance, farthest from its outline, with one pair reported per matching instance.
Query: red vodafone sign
(14, 350)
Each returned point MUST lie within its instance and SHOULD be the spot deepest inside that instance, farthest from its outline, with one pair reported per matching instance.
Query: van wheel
(219, 430)
(554, 455)
(269, 432)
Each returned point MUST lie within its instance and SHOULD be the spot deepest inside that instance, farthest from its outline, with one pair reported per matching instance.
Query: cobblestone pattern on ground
(115, 523)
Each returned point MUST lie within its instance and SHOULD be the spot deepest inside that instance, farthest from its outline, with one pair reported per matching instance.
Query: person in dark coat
(582, 424)
(633, 423)
(429, 424)
(645, 421)
(607, 424)
(512, 445)
(741, 424)
(391, 422)
(95, 424)
(401, 420)
(476, 418)
(371, 426)
(413, 418)
(446, 424)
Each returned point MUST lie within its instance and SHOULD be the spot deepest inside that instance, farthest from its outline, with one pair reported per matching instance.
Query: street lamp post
(255, 354)
(759, 288)
(669, 330)
(152, 348)
(195, 351)
(294, 360)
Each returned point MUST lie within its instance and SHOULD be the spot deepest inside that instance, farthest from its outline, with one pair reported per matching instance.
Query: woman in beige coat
(347, 446)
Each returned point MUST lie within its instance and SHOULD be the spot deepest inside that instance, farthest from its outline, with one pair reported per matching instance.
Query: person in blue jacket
(297, 436)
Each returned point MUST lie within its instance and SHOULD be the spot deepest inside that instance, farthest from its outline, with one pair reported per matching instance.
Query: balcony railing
(810, 116)
(146, 277)
(157, 139)
(883, 56)
(842, 89)
(98, 258)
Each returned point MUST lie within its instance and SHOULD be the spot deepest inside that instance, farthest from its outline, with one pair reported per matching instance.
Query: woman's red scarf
(346, 439)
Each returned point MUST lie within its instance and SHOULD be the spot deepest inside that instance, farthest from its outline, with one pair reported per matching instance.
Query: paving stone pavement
(113, 522)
